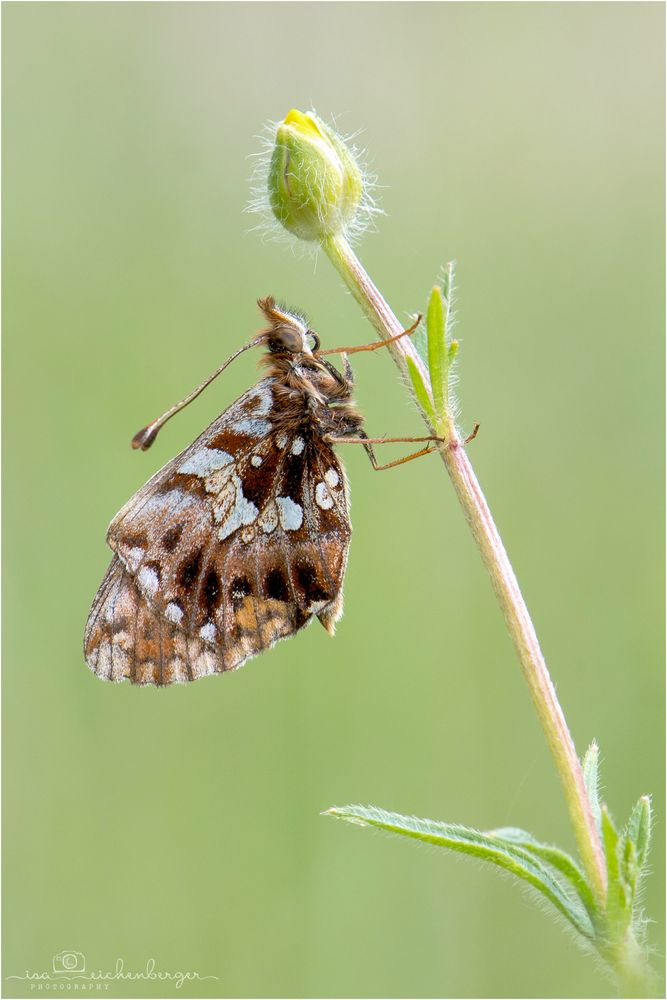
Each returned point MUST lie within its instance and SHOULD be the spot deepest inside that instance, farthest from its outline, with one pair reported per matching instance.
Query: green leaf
(634, 846)
(619, 896)
(592, 781)
(638, 829)
(629, 867)
(487, 847)
(610, 841)
(437, 350)
(421, 392)
(554, 856)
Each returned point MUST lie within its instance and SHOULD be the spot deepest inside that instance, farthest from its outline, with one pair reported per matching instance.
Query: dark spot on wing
(259, 481)
(211, 591)
(119, 624)
(301, 617)
(250, 403)
(293, 474)
(189, 571)
(172, 537)
(314, 588)
(257, 484)
(275, 585)
(239, 588)
(134, 540)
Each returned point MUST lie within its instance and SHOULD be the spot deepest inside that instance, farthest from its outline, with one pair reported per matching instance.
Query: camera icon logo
(65, 962)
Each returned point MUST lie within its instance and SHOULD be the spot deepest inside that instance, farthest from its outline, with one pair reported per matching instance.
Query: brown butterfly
(243, 538)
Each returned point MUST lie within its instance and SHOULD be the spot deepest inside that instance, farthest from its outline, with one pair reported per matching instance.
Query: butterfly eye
(286, 340)
(315, 339)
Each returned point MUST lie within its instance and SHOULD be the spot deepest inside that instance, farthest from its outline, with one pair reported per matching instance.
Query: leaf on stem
(590, 766)
(634, 845)
(554, 856)
(494, 848)
(619, 895)
(421, 392)
(437, 350)
(638, 829)
(629, 866)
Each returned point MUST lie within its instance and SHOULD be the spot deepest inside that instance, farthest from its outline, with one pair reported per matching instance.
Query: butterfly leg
(376, 345)
(368, 443)
(397, 461)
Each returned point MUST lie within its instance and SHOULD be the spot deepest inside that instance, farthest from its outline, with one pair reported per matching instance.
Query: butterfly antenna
(144, 438)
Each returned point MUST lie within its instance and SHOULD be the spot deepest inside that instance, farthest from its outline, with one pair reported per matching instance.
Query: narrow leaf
(437, 350)
(500, 853)
(554, 856)
(610, 843)
(638, 829)
(421, 392)
(448, 292)
(629, 867)
(592, 781)
(619, 910)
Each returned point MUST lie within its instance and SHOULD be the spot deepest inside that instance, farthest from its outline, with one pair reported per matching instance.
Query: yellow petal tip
(301, 121)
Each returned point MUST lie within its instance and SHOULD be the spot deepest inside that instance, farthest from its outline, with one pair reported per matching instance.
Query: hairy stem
(635, 977)
(502, 575)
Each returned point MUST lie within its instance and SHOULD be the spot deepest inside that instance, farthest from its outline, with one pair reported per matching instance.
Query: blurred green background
(524, 140)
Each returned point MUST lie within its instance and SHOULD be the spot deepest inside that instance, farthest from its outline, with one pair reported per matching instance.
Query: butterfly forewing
(234, 544)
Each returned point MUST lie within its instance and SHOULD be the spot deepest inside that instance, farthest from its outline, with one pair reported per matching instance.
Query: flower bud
(315, 186)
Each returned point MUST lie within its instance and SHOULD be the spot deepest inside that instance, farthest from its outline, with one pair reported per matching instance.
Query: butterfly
(243, 538)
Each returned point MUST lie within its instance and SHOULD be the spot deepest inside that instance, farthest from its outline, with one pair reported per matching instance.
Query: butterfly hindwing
(126, 640)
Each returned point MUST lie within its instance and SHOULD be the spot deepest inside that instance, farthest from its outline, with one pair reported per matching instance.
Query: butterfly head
(288, 332)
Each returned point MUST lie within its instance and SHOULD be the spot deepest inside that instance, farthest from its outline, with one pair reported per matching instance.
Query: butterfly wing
(126, 640)
(236, 543)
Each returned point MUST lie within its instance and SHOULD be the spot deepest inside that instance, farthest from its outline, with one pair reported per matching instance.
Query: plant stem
(500, 569)
(634, 975)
